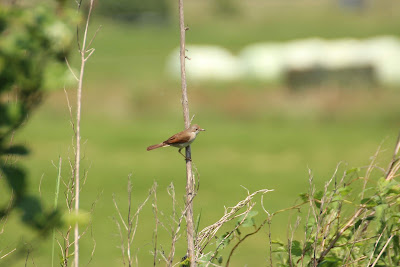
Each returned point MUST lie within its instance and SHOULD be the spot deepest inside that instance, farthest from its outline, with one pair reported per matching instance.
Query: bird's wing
(178, 138)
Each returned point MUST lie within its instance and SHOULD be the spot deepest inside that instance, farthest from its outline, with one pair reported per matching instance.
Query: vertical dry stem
(189, 174)
(83, 51)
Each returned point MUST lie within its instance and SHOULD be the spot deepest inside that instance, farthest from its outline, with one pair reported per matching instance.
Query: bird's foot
(187, 159)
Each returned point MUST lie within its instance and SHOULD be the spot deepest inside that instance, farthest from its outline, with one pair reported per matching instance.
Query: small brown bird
(181, 140)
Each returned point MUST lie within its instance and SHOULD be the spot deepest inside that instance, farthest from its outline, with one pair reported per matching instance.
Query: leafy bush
(354, 221)
(33, 45)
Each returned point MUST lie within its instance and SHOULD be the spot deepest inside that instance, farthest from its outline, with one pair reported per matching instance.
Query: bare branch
(244, 238)
(349, 223)
(71, 70)
(383, 249)
(205, 235)
(395, 163)
(94, 36)
(155, 211)
(5, 255)
(82, 50)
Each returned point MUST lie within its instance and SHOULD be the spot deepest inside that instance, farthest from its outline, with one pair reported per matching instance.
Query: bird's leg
(180, 149)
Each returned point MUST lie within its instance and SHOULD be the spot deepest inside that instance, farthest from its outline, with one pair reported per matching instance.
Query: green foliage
(223, 241)
(33, 41)
(185, 262)
(347, 229)
(247, 220)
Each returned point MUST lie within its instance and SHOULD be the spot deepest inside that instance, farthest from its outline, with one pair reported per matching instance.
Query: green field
(257, 136)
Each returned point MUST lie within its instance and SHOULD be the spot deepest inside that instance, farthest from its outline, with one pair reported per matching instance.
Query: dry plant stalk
(4, 219)
(85, 52)
(331, 224)
(73, 188)
(189, 172)
(394, 166)
(3, 222)
(155, 236)
(171, 224)
(205, 236)
(174, 230)
(127, 231)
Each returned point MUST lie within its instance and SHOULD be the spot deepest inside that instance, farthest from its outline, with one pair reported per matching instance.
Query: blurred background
(280, 87)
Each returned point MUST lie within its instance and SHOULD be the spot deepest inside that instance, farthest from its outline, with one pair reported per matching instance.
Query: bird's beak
(201, 129)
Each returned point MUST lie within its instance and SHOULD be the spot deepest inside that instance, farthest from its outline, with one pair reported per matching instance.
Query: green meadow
(257, 136)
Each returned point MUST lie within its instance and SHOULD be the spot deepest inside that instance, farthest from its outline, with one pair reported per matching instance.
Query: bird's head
(196, 128)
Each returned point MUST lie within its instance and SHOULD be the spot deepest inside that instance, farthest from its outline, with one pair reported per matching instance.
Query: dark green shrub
(33, 45)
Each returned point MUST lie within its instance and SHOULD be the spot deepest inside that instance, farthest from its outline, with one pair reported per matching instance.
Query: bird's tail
(156, 146)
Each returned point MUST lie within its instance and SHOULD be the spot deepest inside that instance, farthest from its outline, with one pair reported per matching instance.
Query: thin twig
(40, 185)
(155, 210)
(339, 234)
(390, 172)
(383, 249)
(130, 226)
(71, 70)
(244, 238)
(5, 255)
(82, 50)
(55, 206)
(230, 233)
(119, 212)
(205, 235)
(94, 36)
(174, 232)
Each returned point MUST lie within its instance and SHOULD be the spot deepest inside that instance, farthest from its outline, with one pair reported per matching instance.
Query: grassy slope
(257, 137)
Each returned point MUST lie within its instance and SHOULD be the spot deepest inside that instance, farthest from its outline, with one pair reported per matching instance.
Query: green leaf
(369, 202)
(31, 208)
(394, 189)
(330, 262)
(396, 244)
(224, 240)
(304, 197)
(296, 248)
(185, 262)
(15, 178)
(14, 113)
(197, 223)
(279, 249)
(395, 215)
(249, 220)
(82, 218)
(356, 225)
(382, 183)
(238, 231)
(352, 170)
(277, 242)
(17, 150)
(344, 191)
(318, 196)
(203, 260)
(370, 218)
